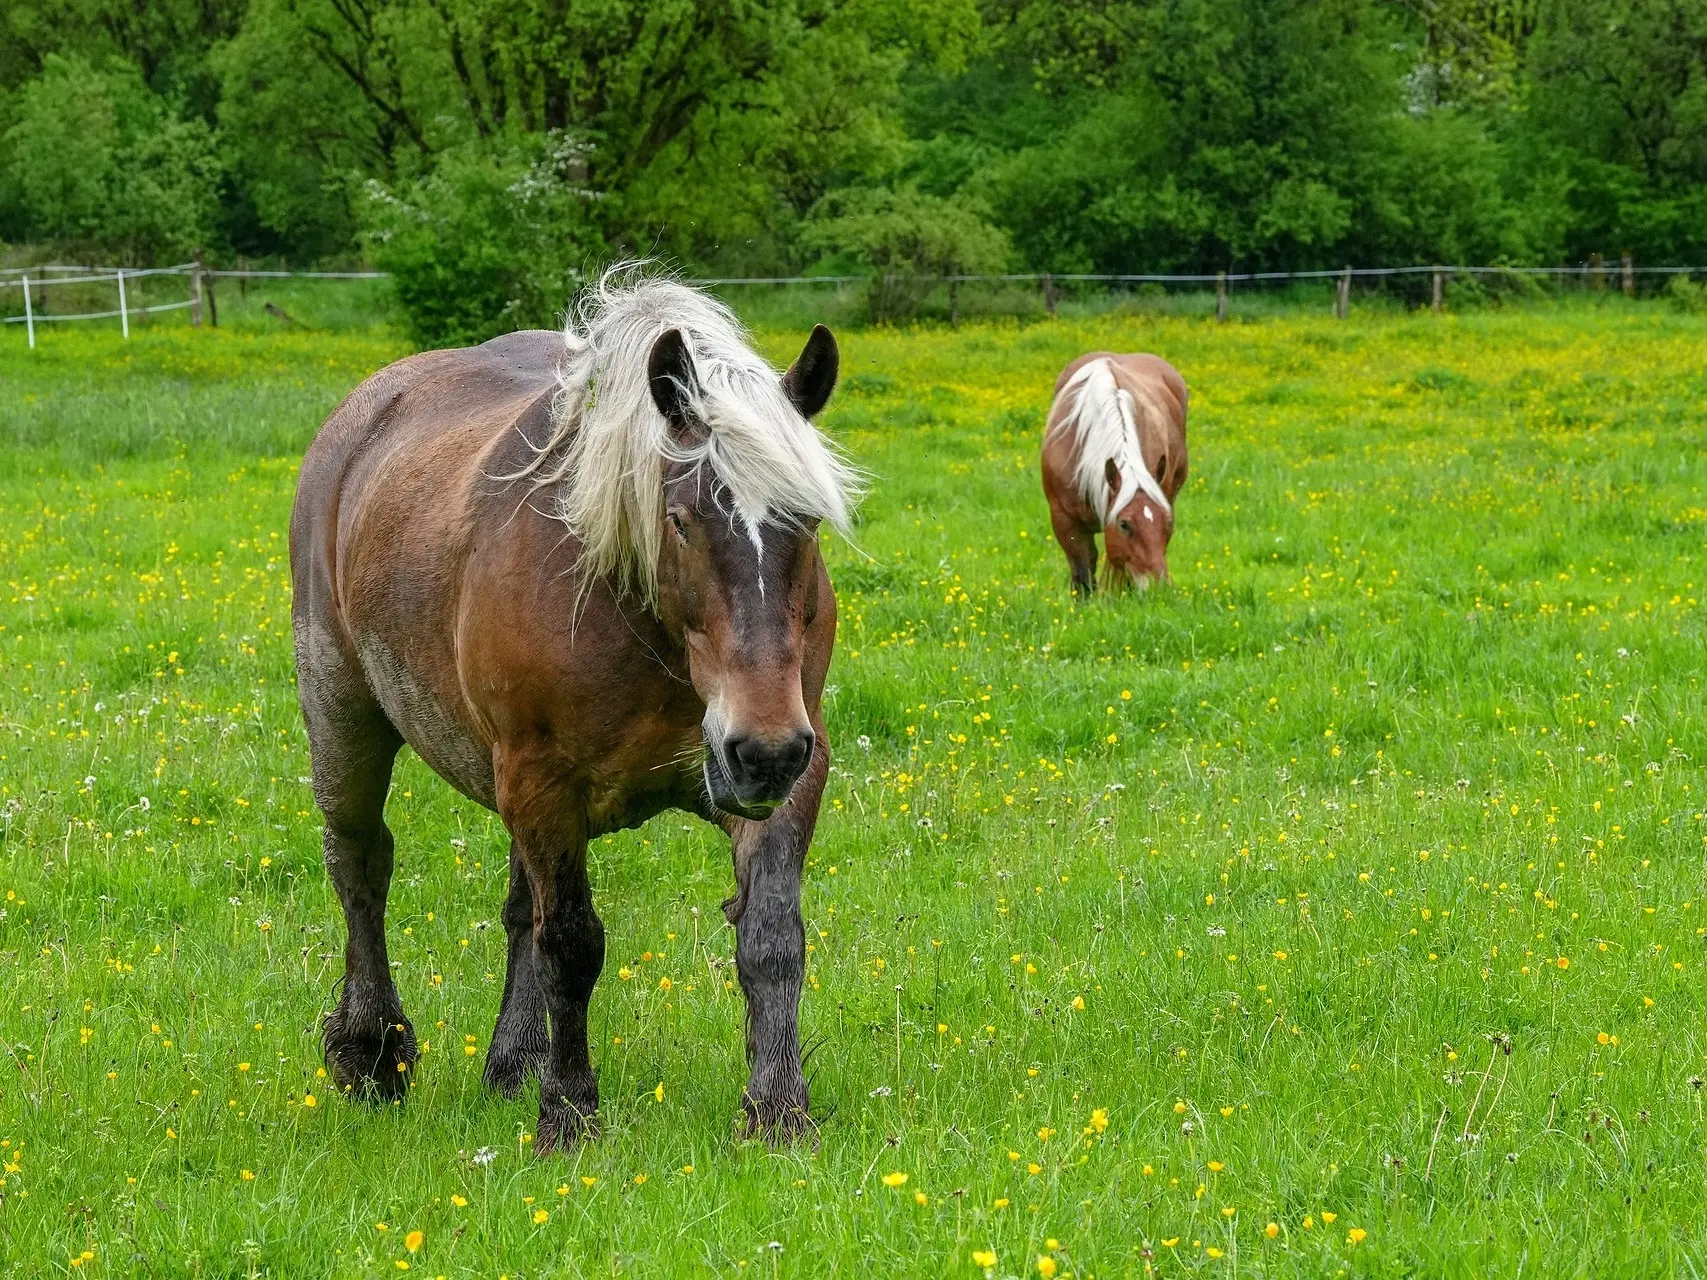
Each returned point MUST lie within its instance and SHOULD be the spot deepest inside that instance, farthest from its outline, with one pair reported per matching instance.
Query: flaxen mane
(608, 446)
(1103, 418)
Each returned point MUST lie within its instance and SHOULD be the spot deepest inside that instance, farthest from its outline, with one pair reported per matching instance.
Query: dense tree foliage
(491, 150)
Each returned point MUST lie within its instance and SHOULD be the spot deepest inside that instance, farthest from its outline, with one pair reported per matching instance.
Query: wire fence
(1596, 273)
(1586, 270)
(33, 281)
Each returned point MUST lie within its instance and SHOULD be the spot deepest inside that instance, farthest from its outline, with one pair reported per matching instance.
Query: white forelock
(609, 443)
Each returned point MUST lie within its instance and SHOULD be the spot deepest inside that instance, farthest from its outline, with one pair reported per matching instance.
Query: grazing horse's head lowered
(579, 574)
(1114, 459)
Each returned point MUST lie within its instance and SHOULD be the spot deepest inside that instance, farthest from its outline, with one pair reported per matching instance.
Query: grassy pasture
(1338, 911)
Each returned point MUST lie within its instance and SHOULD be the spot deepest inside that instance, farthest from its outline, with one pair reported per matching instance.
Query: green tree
(1197, 133)
(98, 158)
(1621, 92)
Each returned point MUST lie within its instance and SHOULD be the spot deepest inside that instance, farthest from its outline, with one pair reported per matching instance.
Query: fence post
(196, 294)
(212, 301)
(29, 315)
(1049, 292)
(1439, 290)
(1629, 276)
(1342, 302)
(124, 311)
(1221, 296)
(954, 304)
(1596, 272)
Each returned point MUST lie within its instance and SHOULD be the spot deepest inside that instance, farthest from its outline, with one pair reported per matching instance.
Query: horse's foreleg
(770, 949)
(1081, 549)
(370, 1046)
(519, 1041)
(568, 953)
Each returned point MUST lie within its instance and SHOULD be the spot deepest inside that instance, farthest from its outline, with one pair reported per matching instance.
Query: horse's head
(1135, 538)
(741, 598)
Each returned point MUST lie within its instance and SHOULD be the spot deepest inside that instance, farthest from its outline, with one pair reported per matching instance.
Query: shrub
(493, 239)
(1688, 296)
(903, 238)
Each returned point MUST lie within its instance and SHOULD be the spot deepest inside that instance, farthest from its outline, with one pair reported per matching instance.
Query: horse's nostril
(759, 760)
(797, 752)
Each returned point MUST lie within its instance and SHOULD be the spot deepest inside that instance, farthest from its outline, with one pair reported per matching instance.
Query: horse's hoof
(562, 1128)
(779, 1126)
(507, 1070)
(567, 1115)
(370, 1057)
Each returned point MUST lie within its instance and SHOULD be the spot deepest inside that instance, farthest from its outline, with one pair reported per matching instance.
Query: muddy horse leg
(770, 949)
(568, 953)
(519, 1041)
(370, 1046)
(1081, 548)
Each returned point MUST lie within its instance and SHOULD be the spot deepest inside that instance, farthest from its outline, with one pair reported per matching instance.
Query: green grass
(1373, 850)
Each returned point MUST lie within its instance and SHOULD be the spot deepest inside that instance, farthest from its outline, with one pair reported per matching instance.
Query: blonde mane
(608, 446)
(1103, 417)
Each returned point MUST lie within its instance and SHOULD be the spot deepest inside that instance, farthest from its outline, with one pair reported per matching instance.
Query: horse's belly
(437, 736)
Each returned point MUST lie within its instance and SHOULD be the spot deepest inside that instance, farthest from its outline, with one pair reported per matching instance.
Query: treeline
(488, 152)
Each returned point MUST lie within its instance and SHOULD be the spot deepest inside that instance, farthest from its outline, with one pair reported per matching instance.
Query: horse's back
(421, 397)
(1157, 385)
(1141, 364)
(384, 508)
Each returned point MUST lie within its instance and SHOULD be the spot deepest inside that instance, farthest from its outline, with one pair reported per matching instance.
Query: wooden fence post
(212, 301)
(1221, 296)
(1596, 272)
(1049, 292)
(196, 294)
(1342, 302)
(1439, 290)
(954, 304)
(124, 310)
(1629, 272)
(29, 315)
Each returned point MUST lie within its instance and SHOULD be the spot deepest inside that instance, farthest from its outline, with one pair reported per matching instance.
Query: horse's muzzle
(752, 776)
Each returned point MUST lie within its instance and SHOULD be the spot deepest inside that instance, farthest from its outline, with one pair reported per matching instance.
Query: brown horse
(579, 574)
(1114, 459)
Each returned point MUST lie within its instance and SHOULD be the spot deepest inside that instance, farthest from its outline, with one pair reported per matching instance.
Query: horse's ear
(671, 374)
(1113, 473)
(812, 377)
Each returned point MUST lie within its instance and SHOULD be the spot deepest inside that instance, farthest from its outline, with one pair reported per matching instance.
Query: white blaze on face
(756, 536)
(1148, 515)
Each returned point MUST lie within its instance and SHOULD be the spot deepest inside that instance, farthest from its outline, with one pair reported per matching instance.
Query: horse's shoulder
(1152, 373)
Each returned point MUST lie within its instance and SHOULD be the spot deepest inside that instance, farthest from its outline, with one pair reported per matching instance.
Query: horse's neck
(1149, 419)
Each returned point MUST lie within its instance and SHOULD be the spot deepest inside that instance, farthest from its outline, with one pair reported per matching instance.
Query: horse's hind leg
(519, 1041)
(370, 1046)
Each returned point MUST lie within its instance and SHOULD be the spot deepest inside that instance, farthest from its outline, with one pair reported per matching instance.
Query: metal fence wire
(1596, 273)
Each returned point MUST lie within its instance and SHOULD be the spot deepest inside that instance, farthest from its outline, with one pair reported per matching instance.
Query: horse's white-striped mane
(1103, 418)
(609, 444)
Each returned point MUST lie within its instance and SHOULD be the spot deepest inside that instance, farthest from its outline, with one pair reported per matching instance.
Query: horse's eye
(1126, 526)
(676, 526)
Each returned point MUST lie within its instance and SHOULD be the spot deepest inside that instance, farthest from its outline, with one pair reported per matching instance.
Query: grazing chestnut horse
(579, 574)
(1113, 461)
